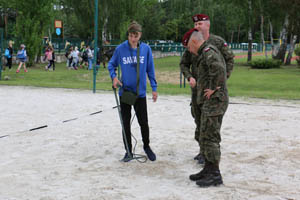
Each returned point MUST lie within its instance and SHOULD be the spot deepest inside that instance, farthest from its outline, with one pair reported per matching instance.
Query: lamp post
(95, 45)
(1, 50)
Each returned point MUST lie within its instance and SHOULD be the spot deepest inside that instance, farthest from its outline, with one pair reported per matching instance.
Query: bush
(297, 52)
(265, 64)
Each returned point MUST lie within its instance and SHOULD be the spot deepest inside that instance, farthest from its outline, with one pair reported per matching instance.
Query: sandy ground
(79, 160)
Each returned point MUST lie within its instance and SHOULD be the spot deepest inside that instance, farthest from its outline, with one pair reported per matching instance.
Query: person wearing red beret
(212, 98)
(188, 68)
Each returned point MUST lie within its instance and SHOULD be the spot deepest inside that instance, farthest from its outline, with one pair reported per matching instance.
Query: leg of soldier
(211, 137)
(196, 113)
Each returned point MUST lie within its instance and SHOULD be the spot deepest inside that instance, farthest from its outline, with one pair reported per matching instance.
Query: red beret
(187, 36)
(200, 17)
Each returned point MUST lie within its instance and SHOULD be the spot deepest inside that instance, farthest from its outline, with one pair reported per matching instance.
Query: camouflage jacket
(188, 60)
(211, 74)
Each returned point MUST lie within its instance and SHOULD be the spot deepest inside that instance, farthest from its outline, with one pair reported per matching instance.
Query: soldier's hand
(116, 82)
(192, 82)
(209, 92)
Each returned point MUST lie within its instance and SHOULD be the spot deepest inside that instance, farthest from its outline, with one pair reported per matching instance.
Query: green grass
(283, 83)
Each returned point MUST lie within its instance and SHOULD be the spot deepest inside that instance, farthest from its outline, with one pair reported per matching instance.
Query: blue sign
(58, 31)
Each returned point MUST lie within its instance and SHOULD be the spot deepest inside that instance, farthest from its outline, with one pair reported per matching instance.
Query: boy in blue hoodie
(125, 55)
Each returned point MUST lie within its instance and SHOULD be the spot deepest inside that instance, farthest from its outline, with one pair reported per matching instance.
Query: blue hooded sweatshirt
(126, 57)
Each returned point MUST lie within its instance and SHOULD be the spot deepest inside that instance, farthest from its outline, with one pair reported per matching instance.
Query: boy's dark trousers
(140, 108)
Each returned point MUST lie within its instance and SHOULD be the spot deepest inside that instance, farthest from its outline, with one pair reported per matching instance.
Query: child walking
(22, 57)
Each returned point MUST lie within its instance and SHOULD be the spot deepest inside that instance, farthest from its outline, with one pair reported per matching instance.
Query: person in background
(70, 58)
(22, 57)
(50, 55)
(84, 57)
(75, 56)
(9, 54)
(90, 57)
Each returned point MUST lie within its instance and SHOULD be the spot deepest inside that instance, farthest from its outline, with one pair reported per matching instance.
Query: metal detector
(130, 155)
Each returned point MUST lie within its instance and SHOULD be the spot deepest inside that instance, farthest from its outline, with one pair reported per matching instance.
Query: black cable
(47, 125)
(139, 157)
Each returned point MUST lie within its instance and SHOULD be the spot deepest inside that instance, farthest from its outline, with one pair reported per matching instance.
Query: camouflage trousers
(210, 137)
(196, 113)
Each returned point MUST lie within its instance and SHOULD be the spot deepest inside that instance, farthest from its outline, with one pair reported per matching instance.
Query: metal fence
(60, 45)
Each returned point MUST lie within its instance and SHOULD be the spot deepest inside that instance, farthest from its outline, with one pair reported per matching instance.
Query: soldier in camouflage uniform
(188, 65)
(212, 95)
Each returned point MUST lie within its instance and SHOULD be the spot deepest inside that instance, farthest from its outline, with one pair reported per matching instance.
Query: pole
(122, 125)
(1, 49)
(95, 45)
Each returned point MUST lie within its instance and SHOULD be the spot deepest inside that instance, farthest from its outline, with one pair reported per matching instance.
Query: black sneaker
(127, 158)
(210, 179)
(150, 153)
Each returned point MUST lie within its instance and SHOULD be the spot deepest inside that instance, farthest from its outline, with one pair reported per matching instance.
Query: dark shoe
(210, 179)
(127, 158)
(201, 159)
(150, 153)
(199, 175)
(197, 156)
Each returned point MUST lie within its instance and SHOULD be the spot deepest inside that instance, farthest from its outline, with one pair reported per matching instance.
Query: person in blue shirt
(125, 55)
(22, 57)
(9, 55)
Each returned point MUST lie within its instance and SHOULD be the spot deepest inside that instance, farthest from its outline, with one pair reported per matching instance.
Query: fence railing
(60, 45)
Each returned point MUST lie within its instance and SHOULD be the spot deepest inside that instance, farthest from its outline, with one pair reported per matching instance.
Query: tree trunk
(5, 24)
(291, 51)
(283, 46)
(238, 37)
(262, 36)
(271, 36)
(250, 31)
(104, 31)
(232, 34)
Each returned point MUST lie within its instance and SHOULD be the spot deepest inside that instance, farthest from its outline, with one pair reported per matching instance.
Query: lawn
(283, 83)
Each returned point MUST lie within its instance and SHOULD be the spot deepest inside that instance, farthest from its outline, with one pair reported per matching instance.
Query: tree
(31, 24)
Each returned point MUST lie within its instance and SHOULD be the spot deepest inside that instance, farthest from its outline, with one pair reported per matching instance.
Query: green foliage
(265, 64)
(31, 25)
(297, 52)
(30, 20)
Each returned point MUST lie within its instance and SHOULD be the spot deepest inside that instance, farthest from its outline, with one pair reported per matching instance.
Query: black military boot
(212, 178)
(202, 173)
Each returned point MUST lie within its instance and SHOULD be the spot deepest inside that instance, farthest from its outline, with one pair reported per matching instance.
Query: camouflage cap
(187, 36)
(134, 27)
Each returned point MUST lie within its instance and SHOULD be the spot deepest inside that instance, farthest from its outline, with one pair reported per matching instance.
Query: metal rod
(95, 46)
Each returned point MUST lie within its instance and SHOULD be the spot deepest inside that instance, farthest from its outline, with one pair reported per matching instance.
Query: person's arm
(112, 67)
(151, 74)
(216, 73)
(185, 64)
(228, 57)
